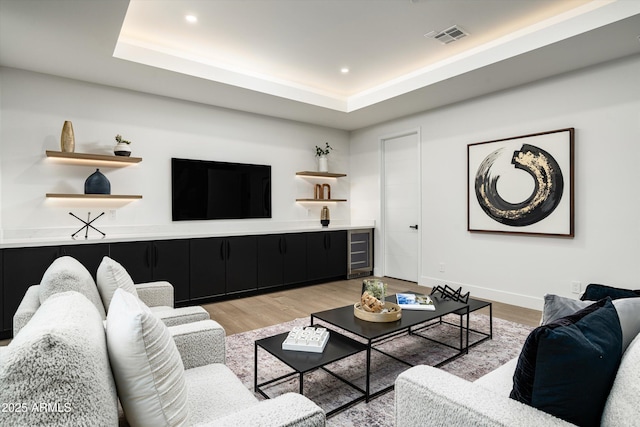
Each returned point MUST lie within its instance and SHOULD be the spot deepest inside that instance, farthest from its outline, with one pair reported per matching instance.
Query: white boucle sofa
(427, 396)
(66, 273)
(67, 366)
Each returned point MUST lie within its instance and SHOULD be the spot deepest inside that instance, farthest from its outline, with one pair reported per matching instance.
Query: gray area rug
(326, 391)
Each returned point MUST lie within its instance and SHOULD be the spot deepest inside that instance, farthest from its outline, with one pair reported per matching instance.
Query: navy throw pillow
(567, 367)
(596, 292)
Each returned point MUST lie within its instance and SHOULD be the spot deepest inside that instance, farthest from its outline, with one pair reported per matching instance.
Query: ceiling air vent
(449, 35)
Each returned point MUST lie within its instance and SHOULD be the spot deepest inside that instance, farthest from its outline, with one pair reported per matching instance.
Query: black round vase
(97, 183)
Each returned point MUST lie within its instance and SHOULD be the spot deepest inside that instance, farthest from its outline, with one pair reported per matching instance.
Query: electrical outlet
(576, 287)
(442, 267)
(112, 215)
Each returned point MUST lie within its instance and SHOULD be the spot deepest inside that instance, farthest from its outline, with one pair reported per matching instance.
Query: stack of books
(309, 339)
(415, 301)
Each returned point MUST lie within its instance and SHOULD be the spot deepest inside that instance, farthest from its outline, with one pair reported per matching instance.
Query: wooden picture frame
(522, 185)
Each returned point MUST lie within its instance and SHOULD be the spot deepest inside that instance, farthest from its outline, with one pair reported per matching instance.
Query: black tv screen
(202, 189)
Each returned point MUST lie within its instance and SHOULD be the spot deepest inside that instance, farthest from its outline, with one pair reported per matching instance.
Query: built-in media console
(202, 189)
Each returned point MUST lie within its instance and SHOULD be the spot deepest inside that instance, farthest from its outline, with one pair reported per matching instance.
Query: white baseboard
(497, 295)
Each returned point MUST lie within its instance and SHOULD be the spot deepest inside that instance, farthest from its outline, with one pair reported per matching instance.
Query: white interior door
(401, 186)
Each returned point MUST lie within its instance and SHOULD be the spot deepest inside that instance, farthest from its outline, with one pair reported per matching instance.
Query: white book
(415, 302)
(307, 339)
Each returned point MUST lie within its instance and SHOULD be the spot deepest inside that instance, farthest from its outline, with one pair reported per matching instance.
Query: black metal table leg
(255, 366)
(368, 383)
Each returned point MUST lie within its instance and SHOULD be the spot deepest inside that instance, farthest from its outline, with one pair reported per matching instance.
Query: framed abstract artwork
(522, 185)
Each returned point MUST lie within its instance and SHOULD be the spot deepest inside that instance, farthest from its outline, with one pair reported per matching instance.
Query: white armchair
(66, 273)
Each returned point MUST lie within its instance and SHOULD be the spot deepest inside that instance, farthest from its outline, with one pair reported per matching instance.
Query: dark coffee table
(373, 332)
(338, 347)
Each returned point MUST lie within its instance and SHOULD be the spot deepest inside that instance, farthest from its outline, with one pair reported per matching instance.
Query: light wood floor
(245, 314)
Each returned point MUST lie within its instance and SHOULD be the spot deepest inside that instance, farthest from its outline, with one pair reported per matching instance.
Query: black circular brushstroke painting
(546, 194)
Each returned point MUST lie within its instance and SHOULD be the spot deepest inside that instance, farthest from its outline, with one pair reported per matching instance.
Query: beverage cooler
(360, 250)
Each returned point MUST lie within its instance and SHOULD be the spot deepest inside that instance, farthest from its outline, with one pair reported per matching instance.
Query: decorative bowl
(394, 313)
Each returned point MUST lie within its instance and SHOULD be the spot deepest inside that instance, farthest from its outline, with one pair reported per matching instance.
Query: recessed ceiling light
(191, 18)
(344, 70)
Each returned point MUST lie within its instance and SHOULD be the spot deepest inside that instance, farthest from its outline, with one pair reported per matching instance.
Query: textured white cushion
(215, 391)
(67, 274)
(500, 380)
(59, 358)
(111, 276)
(146, 364)
(622, 407)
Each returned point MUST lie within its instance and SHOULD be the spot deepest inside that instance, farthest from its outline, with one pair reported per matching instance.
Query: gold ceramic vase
(67, 139)
(324, 216)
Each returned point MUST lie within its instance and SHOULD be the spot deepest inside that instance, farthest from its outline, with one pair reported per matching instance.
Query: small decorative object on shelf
(97, 183)
(324, 216)
(321, 154)
(450, 293)
(307, 339)
(67, 138)
(87, 225)
(122, 148)
(319, 192)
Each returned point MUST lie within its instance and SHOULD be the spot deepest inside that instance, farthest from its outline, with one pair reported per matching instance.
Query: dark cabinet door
(270, 261)
(22, 267)
(89, 255)
(326, 254)
(337, 253)
(282, 259)
(136, 258)
(171, 263)
(160, 260)
(207, 267)
(316, 256)
(242, 263)
(295, 258)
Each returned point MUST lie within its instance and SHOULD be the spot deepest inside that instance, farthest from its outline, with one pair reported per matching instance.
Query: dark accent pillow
(567, 367)
(596, 292)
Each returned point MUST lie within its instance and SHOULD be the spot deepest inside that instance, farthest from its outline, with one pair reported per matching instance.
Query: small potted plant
(321, 154)
(122, 147)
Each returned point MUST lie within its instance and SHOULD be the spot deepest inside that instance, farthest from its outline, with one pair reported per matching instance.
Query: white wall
(34, 106)
(603, 105)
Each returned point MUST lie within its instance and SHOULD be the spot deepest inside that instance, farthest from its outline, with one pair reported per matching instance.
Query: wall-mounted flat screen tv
(202, 189)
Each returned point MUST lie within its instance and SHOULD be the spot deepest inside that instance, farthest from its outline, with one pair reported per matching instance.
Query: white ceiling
(283, 57)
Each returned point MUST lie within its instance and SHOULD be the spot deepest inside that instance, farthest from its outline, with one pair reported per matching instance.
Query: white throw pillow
(68, 274)
(59, 358)
(146, 364)
(110, 276)
(629, 313)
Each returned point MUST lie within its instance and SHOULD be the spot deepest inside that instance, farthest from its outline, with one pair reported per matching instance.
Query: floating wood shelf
(321, 174)
(93, 196)
(93, 159)
(321, 200)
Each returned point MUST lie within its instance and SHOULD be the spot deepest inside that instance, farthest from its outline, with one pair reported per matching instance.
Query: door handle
(415, 227)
